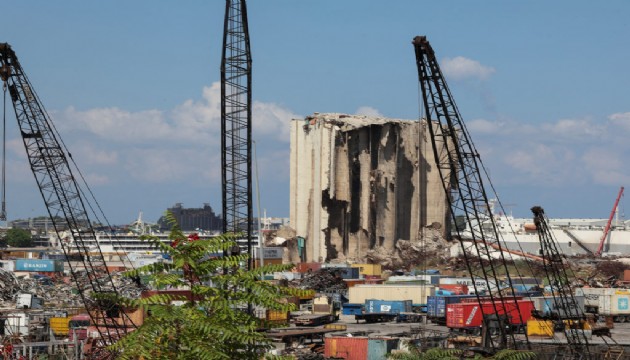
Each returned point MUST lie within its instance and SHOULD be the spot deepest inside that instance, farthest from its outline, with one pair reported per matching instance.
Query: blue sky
(133, 88)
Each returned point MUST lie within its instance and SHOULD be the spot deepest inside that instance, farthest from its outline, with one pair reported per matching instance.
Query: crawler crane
(49, 162)
(460, 170)
(557, 270)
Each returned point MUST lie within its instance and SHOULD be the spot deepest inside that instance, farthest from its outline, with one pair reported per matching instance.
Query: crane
(60, 190)
(459, 167)
(236, 124)
(600, 248)
(557, 270)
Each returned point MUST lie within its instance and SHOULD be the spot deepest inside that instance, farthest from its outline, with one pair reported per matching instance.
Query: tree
(214, 322)
(19, 238)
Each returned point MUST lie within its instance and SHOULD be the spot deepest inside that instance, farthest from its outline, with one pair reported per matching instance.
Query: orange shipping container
(349, 348)
(352, 282)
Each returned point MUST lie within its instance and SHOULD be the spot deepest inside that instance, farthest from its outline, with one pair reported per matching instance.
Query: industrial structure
(236, 123)
(359, 182)
(462, 176)
(65, 201)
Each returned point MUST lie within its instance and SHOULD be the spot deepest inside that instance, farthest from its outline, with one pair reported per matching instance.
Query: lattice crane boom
(600, 248)
(459, 167)
(61, 193)
(236, 123)
(558, 271)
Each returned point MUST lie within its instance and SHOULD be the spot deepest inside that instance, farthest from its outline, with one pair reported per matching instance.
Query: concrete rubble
(409, 254)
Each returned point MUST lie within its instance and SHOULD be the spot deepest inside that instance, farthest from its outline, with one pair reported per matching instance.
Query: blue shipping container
(388, 306)
(436, 305)
(351, 309)
(349, 272)
(38, 265)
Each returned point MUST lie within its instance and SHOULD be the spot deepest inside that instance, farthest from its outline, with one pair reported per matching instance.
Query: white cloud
(621, 119)
(368, 111)
(484, 126)
(271, 120)
(566, 151)
(461, 68)
(157, 146)
(574, 128)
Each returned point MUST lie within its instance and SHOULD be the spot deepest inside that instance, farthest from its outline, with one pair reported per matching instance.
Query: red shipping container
(306, 267)
(488, 298)
(349, 348)
(466, 315)
(374, 281)
(456, 289)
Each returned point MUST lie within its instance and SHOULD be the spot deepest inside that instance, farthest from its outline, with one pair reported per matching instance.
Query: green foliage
(19, 238)
(213, 323)
(508, 354)
(430, 354)
(455, 354)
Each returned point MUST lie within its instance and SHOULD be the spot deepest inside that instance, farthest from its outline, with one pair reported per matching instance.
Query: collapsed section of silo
(362, 183)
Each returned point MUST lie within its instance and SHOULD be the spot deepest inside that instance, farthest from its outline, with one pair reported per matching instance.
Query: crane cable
(3, 211)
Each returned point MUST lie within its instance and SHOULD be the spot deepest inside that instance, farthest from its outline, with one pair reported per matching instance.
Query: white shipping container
(7, 265)
(607, 301)
(481, 284)
(416, 293)
(16, 323)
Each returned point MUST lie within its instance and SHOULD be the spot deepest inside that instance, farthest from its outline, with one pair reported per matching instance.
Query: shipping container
(308, 267)
(455, 289)
(39, 265)
(277, 316)
(352, 309)
(470, 315)
(270, 253)
(359, 348)
(349, 273)
(416, 293)
(436, 306)
(481, 284)
(369, 269)
(607, 301)
(540, 328)
(7, 265)
(387, 306)
(258, 262)
(547, 305)
(352, 282)
(374, 281)
(59, 325)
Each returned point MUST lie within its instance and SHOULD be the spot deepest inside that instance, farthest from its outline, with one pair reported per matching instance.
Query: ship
(574, 236)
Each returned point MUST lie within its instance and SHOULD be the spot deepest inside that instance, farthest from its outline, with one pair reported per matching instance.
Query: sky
(133, 88)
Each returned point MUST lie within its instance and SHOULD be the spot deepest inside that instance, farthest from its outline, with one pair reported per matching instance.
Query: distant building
(192, 219)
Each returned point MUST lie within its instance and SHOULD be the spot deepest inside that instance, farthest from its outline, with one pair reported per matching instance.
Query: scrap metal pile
(325, 280)
(58, 292)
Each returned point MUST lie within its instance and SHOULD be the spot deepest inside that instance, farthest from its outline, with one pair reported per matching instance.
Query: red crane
(607, 229)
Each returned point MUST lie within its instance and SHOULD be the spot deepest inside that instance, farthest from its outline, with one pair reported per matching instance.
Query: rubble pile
(61, 292)
(9, 286)
(323, 280)
(408, 254)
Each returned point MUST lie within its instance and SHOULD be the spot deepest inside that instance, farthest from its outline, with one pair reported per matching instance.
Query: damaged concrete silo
(360, 183)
